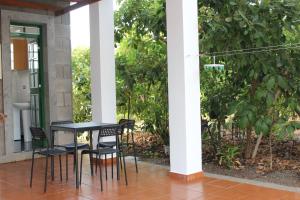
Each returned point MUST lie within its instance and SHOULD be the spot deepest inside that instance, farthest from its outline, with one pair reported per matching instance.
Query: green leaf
(290, 129)
(243, 122)
(282, 82)
(260, 93)
(268, 121)
(271, 83)
(297, 125)
(264, 128)
(251, 116)
(270, 99)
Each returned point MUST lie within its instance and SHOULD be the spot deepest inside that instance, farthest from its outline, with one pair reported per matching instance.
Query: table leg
(76, 159)
(91, 155)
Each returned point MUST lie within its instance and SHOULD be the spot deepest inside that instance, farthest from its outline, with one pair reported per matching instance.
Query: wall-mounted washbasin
(24, 109)
(22, 105)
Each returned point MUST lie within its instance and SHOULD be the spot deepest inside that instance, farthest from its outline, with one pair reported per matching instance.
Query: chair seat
(71, 146)
(107, 144)
(52, 152)
(100, 151)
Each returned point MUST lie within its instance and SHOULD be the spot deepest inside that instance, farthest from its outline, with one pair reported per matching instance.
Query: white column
(102, 62)
(184, 87)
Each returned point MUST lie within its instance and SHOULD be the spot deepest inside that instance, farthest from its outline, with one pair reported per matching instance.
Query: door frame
(41, 72)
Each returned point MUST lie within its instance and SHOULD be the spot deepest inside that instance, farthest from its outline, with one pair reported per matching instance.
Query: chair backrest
(38, 135)
(112, 130)
(127, 124)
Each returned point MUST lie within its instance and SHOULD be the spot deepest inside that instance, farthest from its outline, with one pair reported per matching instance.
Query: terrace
(152, 182)
(184, 179)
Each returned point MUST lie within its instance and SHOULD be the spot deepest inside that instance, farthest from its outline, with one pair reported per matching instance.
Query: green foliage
(285, 129)
(142, 64)
(227, 156)
(260, 89)
(81, 85)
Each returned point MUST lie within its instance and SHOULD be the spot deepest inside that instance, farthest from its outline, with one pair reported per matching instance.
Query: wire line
(252, 50)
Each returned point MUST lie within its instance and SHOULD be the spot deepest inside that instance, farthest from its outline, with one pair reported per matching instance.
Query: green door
(36, 83)
(33, 34)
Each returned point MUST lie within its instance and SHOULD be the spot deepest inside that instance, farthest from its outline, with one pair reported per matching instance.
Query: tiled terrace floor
(152, 182)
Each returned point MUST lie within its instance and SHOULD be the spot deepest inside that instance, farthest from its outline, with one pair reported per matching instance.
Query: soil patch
(283, 177)
(286, 163)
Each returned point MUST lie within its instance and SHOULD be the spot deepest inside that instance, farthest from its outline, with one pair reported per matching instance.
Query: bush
(227, 155)
(81, 85)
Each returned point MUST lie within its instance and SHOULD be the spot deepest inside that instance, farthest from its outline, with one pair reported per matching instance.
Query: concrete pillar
(184, 89)
(102, 62)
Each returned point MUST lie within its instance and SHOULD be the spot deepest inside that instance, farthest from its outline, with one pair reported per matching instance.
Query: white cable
(254, 48)
(241, 52)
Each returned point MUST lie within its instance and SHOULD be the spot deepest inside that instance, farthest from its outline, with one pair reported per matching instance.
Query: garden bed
(282, 177)
(286, 161)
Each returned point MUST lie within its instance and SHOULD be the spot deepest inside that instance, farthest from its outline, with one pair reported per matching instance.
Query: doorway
(28, 74)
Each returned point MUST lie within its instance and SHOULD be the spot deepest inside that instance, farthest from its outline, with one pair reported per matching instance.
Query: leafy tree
(267, 81)
(142, 64)
(81, 85)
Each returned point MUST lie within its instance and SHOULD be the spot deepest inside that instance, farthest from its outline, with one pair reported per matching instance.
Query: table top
(83, 126)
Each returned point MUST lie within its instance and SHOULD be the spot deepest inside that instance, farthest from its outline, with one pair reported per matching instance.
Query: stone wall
(63, 83)
(57, 68)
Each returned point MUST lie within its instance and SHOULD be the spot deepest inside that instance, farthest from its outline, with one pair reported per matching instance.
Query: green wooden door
(36, 83)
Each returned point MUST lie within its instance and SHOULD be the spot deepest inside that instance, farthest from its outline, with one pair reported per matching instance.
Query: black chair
(128, 127)
(38, 136)
(70, 148)
(115, 131)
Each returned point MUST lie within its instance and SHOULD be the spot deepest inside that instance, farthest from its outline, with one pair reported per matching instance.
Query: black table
(76, 128)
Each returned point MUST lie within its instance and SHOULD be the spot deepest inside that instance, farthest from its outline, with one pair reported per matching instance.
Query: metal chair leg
(100, 171)
(96, 164)
(46, 170)
(67, 167)
(105, 160)
(112, 165)
(134, 153)
(31, 174)
(125, 173)
(118, 166)
(52, 174)
(74, 161)
(91, 163)
(120, 158)
(80, 169)
(60, 170)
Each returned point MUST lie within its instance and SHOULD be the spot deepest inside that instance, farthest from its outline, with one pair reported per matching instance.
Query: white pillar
(102, 62)
(184, 87)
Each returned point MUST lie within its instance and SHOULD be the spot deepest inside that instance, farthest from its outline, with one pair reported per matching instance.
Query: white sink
(22, 105)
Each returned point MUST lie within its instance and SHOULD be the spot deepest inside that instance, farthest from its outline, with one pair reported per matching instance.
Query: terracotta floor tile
(222, 183)
(152, 182)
